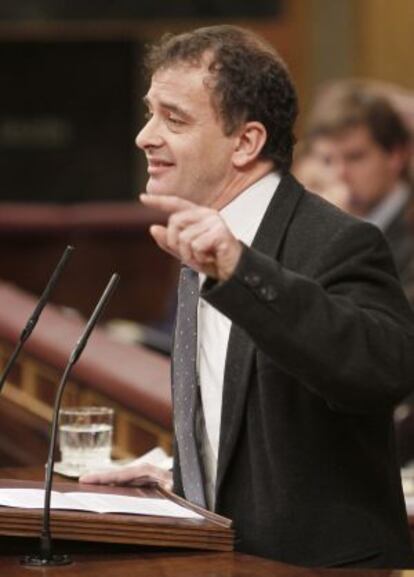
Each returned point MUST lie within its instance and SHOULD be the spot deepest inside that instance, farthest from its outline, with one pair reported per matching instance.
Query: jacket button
(269, 293)
(252, 280)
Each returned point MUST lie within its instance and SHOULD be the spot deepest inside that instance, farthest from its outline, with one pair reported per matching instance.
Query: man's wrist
(233, 260)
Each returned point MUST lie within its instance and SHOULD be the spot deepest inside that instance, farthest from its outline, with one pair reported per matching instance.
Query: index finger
(166, 203)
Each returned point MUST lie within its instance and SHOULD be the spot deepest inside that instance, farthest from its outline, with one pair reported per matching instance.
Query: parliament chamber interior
(70, 174)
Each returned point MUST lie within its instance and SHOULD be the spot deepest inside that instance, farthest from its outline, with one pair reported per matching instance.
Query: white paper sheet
(95, 502)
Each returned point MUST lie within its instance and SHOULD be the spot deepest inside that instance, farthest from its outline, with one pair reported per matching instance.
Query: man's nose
(149, 136)
(339, 169)
(342, 171)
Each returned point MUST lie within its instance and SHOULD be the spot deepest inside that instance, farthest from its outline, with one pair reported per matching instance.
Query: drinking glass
(85, 437)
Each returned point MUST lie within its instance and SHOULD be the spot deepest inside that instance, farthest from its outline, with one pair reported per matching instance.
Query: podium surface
(90, 560)
(110, 560)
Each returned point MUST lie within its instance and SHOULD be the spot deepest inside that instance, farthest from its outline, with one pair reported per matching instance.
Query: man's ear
(249, 143)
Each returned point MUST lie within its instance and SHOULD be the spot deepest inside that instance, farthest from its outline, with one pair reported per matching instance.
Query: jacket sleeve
(345, 331)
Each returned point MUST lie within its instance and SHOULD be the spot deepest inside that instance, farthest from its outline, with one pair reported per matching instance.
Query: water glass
(85, 437)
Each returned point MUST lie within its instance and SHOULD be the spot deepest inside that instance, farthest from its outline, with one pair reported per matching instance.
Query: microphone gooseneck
(34, 317)
(46, 555)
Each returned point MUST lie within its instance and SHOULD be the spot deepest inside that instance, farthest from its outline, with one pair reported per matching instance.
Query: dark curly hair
(250, 82)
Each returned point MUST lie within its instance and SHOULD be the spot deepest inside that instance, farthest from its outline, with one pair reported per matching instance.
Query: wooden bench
(108, 237)
(132, 379)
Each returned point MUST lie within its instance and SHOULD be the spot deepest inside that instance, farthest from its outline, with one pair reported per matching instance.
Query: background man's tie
(185, 387)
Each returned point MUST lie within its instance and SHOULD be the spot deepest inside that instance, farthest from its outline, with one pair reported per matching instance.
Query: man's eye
(356, 157)
(175, 121)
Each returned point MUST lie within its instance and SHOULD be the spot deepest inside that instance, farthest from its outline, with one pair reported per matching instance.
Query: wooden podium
(211, 532)
(92, 559)
(109, 558)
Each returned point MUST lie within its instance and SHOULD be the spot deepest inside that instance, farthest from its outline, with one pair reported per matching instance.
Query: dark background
(70, 103)
(67, 121)
(103, 9)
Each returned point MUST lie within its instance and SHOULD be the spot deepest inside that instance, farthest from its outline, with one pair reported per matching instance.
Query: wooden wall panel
(384, 43)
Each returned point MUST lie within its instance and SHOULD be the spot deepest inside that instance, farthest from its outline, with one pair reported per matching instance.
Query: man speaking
(293, 339)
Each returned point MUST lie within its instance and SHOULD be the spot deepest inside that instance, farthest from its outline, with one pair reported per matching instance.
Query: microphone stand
(46, 556)
(34, 317)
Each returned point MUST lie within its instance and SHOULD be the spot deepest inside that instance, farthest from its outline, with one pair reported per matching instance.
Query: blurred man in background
(358, 157)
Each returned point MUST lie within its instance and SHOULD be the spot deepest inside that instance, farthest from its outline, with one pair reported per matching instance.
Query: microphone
(46, 556)
(34, 317)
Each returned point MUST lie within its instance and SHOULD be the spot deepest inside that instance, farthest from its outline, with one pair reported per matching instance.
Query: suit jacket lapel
(240, 350)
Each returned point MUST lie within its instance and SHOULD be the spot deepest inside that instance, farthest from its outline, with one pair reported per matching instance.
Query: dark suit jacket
(321, 349)
(400, 235)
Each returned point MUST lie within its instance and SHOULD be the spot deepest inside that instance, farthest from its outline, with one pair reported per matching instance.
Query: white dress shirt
(243, 216)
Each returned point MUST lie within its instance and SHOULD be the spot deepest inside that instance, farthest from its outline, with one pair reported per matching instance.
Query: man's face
(187, 152)
(368, 171)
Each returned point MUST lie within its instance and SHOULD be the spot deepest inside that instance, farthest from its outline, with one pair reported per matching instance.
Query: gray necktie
(185, 387)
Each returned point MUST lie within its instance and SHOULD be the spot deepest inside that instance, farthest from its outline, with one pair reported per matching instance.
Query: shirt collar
(244, 213)
(383, 214)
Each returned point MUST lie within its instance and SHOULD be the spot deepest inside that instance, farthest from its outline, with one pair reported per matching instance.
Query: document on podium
(95, 502)
(131, 515)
